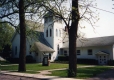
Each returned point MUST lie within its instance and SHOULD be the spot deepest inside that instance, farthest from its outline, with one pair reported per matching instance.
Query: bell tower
(53, 29)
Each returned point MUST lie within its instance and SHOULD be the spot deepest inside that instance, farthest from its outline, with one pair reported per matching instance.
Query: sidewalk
(108, 75)
(42, 74)
(39, 76)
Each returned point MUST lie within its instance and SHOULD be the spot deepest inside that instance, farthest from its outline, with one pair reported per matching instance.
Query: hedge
(79, 61)
(110, 62)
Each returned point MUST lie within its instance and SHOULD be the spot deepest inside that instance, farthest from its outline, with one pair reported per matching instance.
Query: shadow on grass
(83, 73)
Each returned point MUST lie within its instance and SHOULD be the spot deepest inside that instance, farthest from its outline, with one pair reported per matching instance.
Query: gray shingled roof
(42, 39)
(38, 46)
(89, 42)
(41, 45)
(40, 32)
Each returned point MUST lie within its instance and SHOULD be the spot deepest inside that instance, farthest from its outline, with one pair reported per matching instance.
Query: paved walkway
(45, 72)
(109, 75)
(39, 76)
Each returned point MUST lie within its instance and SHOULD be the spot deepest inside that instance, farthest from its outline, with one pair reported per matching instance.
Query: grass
(35, 67)
(83, 72)
(39, 67)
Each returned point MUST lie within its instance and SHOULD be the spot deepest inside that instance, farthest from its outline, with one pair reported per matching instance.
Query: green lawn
(39, 67)
(35, 67)
(83, 72)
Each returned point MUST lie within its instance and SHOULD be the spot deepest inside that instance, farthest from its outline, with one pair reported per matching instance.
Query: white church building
(51, 41)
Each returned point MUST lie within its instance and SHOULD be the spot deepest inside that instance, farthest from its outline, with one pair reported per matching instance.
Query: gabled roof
(42, 45)
(42, 39)
(38, 46)
(89, 42)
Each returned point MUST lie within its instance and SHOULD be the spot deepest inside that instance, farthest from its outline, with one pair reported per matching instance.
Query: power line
(102, 10)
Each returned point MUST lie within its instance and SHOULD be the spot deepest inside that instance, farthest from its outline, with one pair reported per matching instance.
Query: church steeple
(53, 29)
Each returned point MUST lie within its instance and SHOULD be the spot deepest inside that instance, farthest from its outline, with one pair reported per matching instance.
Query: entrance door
(102, 59)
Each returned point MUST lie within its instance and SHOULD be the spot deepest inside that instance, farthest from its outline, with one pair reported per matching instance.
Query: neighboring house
(51, 41)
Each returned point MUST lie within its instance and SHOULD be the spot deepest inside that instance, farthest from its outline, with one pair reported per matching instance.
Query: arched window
(50, 32)
(47, 33)
(59, 33)
(56, 32)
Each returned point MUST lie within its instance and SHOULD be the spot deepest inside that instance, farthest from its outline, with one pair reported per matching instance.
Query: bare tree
(79, 10)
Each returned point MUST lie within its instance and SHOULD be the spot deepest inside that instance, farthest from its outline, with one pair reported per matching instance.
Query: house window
(78, 52)
(16, 50)
(50, 32)
(47, 33)
(30, 51)
(56, 32)
(65, 52)
(89, 51)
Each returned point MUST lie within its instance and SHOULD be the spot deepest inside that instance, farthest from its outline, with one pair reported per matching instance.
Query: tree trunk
(72, 40)
(22, 55)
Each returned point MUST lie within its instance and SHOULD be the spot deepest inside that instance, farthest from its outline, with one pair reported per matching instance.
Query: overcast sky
(105, 26)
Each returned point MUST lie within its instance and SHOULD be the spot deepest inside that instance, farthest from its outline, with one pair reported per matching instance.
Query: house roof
(42, 45)
(42, 39)
(89, 42)
(40, 34)
(38, 46)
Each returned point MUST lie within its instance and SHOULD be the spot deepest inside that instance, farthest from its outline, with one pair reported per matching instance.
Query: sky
(105, 26)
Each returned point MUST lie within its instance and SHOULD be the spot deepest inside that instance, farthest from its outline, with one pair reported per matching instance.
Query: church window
(56, 32)
(47, 33)
(50, 32)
